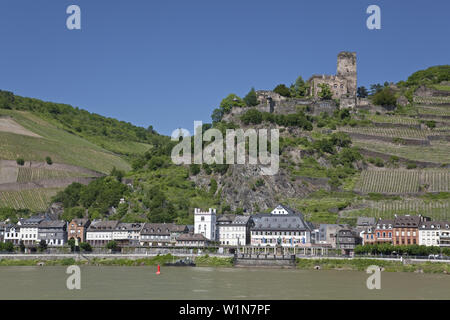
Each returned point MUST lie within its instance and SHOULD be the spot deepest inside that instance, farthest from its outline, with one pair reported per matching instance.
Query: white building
(431, 233)
(12, 234)
(205, 223)
(282, 227)
(127, 233)
(100, 233)
(234, 230)
(29, 230)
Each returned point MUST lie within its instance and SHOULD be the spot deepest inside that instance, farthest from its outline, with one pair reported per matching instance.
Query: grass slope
(61, 146)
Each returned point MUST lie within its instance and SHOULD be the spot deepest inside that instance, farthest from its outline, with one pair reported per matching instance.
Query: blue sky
(168, 63)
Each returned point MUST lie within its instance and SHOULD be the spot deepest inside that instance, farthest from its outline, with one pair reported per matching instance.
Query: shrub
(252, 116)
(85, 247)
(430, 124)
(112, 245)
(325, 91)
(194, 169)
(385, 98)
(213, 186)
(20, 161)
(411, 165)
(48, 160)
(379, 162)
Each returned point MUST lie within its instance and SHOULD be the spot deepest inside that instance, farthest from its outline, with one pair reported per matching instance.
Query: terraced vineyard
(35, 174)
(431, 100)
(33, 199)
(403, 181)
(435, 111)
(406, 133)
(393, 119)
(438, 209)
(437, 152)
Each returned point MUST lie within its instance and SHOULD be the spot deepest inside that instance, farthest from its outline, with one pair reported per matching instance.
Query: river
(215, 283)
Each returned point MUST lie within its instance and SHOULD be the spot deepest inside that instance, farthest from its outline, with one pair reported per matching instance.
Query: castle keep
(343, 84)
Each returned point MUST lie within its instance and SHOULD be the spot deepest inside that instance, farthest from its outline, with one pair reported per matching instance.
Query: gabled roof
(365, 221)
(227, 218)
(98, 225)
(32, 221)
(191, 237)
(163, 228)
(123, 226)
(407, 221)
(434, 225)
(276, 222)
(241, 220)
(81, 222)
(288, 209)
(52, 224)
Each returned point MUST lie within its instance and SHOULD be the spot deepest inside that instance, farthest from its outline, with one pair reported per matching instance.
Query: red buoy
(159, 270)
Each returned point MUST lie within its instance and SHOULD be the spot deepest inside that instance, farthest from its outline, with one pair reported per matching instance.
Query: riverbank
(361, 264)
(356, 264)
(201, 261)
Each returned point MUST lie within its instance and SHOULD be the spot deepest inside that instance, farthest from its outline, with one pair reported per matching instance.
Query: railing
(264, 256)
(429, 257)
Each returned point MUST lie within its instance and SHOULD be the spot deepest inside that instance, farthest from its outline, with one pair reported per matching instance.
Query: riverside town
(282, 233)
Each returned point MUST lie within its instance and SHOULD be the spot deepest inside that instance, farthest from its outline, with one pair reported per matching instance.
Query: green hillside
(378, 159)
(60, 145)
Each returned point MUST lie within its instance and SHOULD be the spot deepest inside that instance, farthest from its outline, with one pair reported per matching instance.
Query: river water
(215, 283)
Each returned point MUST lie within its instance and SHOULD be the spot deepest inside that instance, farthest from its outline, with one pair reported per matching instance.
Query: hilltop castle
(343, 85)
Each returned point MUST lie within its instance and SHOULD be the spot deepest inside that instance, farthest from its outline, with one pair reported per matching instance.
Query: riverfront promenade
(133, 256)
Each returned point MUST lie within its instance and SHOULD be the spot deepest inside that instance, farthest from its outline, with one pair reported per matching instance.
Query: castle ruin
(343, 85)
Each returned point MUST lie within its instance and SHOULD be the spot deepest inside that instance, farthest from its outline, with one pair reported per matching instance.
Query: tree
(374, 88)
(21, 246)
(117, 173)
(71, 243)
(299, 88)
(48, 160)
(325, 91)
(231, 101)
(362, 92)
(217, 115)
(20, 161)
(9, 247)
(251, 99)
(282, 90)
(42, 245)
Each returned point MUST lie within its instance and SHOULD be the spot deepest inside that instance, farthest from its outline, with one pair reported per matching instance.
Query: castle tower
(346, 68)
(205, 223)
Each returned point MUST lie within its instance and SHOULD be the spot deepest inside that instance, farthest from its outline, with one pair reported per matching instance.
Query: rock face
(402, 101)
(424, 91)
(243, 186)
(55, 210)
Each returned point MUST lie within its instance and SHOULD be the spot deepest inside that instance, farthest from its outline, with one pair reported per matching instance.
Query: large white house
(283, 226)
(29, 230)
(205, 223)
(434, 233)
(127, 233)
(12, 234)
(100, 233)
